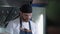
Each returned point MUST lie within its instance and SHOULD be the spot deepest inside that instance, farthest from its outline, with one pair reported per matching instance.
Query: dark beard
(25, 20)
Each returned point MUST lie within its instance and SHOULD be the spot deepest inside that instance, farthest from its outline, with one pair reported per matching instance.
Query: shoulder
(13, 23)
(33, 23)
(15, 20)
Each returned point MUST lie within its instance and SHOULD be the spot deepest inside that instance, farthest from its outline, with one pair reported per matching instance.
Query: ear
(20, 13)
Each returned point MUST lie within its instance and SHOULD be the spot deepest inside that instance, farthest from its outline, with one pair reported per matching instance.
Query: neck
(24, 20)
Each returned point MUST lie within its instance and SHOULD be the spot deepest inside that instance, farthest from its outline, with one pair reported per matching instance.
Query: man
(23, 24)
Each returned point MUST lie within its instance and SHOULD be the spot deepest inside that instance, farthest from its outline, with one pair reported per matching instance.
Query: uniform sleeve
(9, 28)
(36, 29)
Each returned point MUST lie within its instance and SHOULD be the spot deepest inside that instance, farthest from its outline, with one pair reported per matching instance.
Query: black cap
(26, 8)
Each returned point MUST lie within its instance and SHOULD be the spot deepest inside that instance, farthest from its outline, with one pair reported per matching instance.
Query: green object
(53, 10)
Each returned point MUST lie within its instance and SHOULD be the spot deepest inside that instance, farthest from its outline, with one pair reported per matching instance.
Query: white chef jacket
(14, 27)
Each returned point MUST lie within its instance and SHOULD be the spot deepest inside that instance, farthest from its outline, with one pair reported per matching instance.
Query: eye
(26, 15)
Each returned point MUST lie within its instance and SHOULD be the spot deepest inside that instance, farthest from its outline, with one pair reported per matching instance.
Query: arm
(9, 28)
(36, 29)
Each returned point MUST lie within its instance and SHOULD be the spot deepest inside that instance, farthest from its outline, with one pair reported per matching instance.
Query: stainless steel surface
(37, 11)
(18, 3)
(3, 31)
(7, 14)
(10, 14)
(9, 3)
(39, 18)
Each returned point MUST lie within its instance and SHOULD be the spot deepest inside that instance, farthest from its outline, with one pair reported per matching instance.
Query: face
(26, 16)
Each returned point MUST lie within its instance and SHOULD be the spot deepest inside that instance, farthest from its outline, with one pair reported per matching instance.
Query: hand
(27, 30)
(24, 29)
(21, 28)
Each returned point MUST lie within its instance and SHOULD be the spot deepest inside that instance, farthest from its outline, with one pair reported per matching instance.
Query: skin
(26, 16)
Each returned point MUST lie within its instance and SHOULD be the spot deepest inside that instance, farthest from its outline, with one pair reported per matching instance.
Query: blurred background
(53, 17)
(7, 3)
(9, 10)
(50, 9)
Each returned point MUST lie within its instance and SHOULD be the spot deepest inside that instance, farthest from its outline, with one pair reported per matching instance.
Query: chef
(23, 24)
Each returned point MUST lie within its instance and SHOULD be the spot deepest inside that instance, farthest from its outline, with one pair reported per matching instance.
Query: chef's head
(26, 12)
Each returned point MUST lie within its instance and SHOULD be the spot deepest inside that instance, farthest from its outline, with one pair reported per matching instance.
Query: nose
(28, 17)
